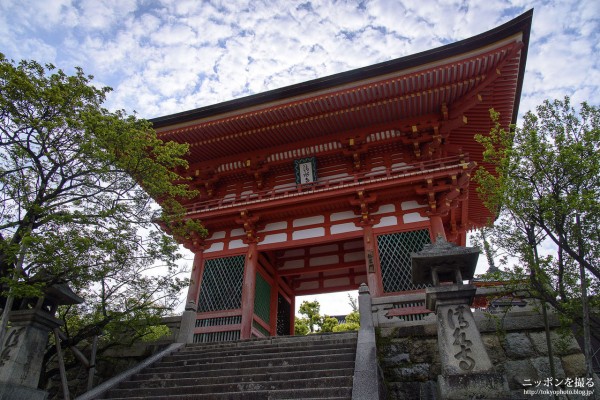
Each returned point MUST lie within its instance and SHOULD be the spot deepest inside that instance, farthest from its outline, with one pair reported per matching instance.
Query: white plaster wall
(337, 282)
(275, 226)
(336, 178)
(325, 260)
(411, 205)
(237, 244)
(375, 171)
(217, 246)
(292, 264)
(315, 219)
(308, 285)
(274, 238)
(284, 187)
(413, 217)
(387, 221)
(340, 216)
(323, 249)
(385, 209)
(293, 253)
(237, 232)
(357, 244)
(229, 198)
(399, 166)
(217, 235)
(355, 256)
(308, 233)
(343, 228)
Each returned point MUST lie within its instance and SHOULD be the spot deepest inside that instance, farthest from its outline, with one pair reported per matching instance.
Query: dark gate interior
(283, 316)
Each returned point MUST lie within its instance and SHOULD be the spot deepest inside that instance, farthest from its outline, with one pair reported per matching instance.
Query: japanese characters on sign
(306, 170)
(459, 324)
(578, 386)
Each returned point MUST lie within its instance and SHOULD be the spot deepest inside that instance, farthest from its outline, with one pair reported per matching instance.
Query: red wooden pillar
(292, 314)
(372, 261)
(249, 291)
(437, 227)
(273, 308)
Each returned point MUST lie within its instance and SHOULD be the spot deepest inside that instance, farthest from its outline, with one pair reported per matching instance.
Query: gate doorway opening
(332, 304)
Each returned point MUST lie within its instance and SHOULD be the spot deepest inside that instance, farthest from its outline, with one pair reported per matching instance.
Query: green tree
(352, 323)
(545, 186)
(77, 183)
(311, 310)
(301, 326)
(328, 324)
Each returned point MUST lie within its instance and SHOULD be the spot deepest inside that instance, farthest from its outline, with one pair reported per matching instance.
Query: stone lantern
(467, 371)
(25, 343)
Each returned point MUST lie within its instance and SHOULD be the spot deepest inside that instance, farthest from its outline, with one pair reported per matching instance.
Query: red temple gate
(324, 185)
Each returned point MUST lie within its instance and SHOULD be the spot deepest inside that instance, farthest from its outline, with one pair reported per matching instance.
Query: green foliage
(353, 318)
(328, 324)
(311, 309)
(301, 326)
(313, 322)
(544, 183)
(347, 326)
(352, 323)
(77, 183)
(156, 332)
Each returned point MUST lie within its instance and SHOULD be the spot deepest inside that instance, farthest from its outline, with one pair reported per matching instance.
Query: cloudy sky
(167, 56)
(162, 57)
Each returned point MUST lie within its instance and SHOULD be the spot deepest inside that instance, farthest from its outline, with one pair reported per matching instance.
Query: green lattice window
(262, 299)
(221, 287)
(394, 258)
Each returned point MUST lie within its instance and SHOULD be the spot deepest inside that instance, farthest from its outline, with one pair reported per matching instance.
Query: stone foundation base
(9, 391)
(473, 386)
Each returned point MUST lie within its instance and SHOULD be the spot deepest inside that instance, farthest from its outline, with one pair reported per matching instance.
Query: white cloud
(181, 54)
(103, 14)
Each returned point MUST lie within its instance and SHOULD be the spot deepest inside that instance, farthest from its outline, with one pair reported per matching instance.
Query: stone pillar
(467, 371)
(188, 318)
(25, 344)
(22, 355)
(365, 384)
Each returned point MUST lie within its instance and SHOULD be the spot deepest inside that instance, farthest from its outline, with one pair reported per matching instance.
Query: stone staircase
(290, 367)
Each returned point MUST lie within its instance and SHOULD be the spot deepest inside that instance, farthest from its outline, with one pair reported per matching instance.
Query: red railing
(326, 184)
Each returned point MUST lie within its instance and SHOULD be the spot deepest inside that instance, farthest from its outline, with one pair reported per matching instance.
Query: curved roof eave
(521, 24)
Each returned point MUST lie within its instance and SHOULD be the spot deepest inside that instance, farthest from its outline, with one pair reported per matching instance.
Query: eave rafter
(446, 193)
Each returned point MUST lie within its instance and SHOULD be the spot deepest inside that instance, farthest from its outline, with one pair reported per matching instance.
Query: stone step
(342, 393)
(261, 349)
(290, 386)
(314, 367)
(249, 363)
(199, 358)
(244, 377)
(288, 340)
(221, 372)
